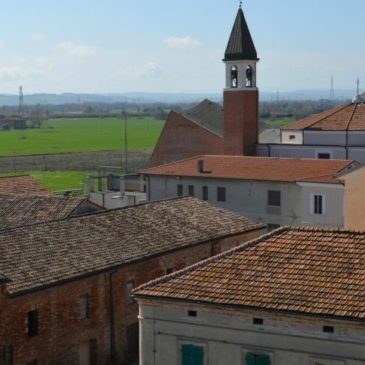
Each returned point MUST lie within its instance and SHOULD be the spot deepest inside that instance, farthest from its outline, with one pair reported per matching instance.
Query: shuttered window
(253, 359)
(192, 355)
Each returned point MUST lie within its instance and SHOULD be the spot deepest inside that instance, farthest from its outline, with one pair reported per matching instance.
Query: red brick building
(194, 132)
(208, 129)
(65, 285)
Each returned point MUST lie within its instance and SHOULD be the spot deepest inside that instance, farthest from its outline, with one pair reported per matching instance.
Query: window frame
(329, 153)
(180, 190)
(269, 203)
(85, 306)
(33, 323)
(203, 345)
(129, 286)
(258, 352)
(191, 190)
(313, 204)
(205, 193)
(221, 194)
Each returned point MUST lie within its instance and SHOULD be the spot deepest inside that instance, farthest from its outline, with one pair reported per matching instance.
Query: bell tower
(241, 96)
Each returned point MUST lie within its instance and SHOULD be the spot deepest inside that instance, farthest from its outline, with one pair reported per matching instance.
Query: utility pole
(21, 102)
(332, 92)
(125, 117)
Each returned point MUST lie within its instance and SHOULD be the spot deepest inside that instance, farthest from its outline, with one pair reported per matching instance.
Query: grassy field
(58, 180)
(61, 180)
(278, 123)
(81, 135)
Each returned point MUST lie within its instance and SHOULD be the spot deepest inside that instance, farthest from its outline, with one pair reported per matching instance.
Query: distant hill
(146, 98)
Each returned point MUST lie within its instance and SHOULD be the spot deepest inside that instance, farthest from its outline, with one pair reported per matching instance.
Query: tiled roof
(208, 115)
(23, 210)
(255, 168)
(22, 185)
(348, 117)
(45, 254)
(304, 270)
(240, 45)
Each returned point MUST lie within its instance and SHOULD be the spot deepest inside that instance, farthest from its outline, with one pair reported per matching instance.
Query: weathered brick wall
(181, 139)
(240, 122)
(61, 330)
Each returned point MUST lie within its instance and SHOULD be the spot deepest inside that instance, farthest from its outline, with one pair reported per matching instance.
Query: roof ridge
(351, 117)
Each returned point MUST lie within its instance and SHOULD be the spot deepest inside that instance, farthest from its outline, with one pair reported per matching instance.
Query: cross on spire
(240, 4)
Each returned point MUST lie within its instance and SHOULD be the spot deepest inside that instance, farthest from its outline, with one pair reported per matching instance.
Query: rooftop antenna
(21, 102)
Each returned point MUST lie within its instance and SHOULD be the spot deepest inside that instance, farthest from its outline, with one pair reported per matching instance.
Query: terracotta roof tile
(256, 168)
(348, 117)
(306, 270)
(22, 185)
(44, 254)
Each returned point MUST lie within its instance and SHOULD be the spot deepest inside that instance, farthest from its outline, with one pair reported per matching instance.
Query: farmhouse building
(273, 190)
(65, 285)
(294, 296)
(338, 133)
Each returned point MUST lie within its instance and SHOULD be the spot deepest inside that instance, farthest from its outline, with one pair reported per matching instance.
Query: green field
(81, 135)
(278, 123)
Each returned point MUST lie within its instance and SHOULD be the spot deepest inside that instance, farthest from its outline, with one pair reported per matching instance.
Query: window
(249, 75)
(221, 194)
(258, 321)
(328, 329)
(205, 193)
(192, 313)
(32, 328)
(169, 270)
(84, 306)
(234, 76)
(192, 355)
(318, 204)
(191, 190)
(253, 359)
(324, 156)
(33, 362)
(129, 288)
(274, 198)
(180, 190)
(292, 137)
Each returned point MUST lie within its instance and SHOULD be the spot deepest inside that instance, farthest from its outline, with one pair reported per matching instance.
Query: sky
(117, 46)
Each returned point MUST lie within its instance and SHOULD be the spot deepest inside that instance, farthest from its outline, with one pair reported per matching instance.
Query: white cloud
(37, 37)
(76, 50)
(181, 42)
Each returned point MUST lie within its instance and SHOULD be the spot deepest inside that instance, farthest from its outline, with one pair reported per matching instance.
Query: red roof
(348, 117)
(22, 185)
(306, 270)
(256, 168)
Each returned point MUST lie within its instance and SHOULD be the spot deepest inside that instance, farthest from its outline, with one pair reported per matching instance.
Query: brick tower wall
(240, 122)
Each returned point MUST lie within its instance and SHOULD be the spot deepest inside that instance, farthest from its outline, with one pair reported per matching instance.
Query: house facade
(337, 133)
(268, 302)
(66, 285)
(275, 191)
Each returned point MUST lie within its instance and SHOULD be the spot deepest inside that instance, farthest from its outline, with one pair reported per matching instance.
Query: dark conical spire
(240, 45)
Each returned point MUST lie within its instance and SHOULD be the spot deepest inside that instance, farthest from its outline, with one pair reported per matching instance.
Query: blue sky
(176, 46)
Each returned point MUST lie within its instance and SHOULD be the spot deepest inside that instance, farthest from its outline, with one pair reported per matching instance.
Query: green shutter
(192, 355)
(251, 359)
(262, 360)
